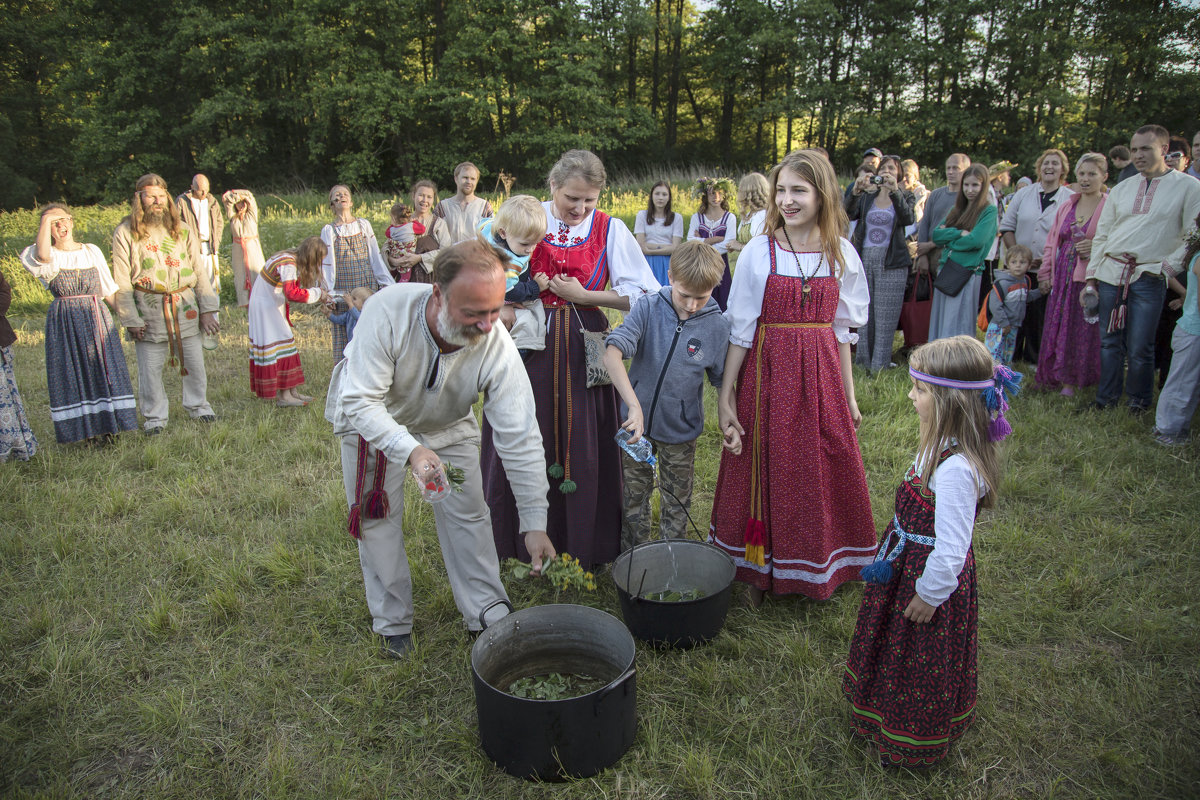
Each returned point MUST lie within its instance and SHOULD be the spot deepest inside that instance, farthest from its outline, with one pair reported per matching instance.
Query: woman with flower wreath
(715, 225)
(593, 263)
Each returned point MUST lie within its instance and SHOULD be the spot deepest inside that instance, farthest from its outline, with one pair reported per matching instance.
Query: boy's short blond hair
(521, 217)
(361, 293)
(696, 265)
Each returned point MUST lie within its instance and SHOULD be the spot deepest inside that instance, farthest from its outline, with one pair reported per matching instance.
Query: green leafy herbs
(564, 572)
(455, 475)
(554, 686)
(675, 595)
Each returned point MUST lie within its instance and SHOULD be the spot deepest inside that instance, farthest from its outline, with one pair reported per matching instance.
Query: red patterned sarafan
(912, 686)
(800, 474)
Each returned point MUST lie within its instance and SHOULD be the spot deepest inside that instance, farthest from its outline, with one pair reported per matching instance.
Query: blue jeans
(1135, 342)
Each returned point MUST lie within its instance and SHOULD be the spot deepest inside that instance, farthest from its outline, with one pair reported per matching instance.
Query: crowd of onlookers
(1019, 268)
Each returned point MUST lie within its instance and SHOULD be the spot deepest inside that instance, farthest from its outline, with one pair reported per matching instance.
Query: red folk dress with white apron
(912, 686)
(578, 424)
(792, 508)
(274, 358)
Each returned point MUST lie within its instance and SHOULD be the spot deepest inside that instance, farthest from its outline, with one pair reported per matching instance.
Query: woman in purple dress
(1070, 352)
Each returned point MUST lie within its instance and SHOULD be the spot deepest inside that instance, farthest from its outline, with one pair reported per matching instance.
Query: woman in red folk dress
(791, 504)
(583, 253)
(274, 360)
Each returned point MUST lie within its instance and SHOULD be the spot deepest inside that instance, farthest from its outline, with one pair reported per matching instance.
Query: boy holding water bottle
(672, 339)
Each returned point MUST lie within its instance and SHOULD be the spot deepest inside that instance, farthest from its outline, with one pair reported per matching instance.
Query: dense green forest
(375, 93)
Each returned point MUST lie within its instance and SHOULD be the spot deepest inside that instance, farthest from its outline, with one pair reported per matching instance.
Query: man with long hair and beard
(402, 396)
(165, 301)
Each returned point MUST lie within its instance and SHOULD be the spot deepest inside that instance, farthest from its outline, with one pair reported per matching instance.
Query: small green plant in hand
(563, 572)
(455, 475)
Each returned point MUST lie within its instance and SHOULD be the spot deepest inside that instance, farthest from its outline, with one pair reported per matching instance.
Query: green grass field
(183, 615)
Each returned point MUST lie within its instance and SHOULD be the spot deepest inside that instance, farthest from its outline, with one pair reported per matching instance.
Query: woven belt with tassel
(756, 527)
(171, 319)
(880, 570)
(375, 504)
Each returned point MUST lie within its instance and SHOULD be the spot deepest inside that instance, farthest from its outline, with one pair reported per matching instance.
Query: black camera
(877, 179)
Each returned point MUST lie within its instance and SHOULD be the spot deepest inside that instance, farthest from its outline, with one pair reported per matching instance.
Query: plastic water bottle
(1091, 305)
(435, 487)
(210, 340)
(639, 450)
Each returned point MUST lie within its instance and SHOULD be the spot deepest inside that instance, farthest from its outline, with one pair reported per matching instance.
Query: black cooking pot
(555, 739)
(674, 564)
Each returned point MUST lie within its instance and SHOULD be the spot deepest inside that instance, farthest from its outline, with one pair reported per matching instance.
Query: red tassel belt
(376, 502)
(756, 526)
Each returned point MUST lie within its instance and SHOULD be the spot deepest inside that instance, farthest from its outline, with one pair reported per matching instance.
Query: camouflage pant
(675, 476)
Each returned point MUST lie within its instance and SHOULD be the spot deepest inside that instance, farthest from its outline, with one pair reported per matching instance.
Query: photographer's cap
(873, 151)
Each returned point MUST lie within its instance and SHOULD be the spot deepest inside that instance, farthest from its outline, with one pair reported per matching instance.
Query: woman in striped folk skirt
(292, 276)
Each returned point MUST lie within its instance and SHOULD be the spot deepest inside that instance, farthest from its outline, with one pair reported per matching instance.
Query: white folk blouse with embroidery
(87, 256)
(750, 282)
(1147, 219)
(628, 273)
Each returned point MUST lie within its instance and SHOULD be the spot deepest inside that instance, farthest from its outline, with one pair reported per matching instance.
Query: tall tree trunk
(654, 76)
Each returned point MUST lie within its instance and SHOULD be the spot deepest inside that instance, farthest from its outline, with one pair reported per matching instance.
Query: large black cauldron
(674, 564)
(555, 739)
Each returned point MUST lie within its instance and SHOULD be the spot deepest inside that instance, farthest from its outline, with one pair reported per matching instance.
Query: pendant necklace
(804, 279)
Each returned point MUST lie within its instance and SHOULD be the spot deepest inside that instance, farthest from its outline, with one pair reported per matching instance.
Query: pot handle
(489, 607)
(607, 690)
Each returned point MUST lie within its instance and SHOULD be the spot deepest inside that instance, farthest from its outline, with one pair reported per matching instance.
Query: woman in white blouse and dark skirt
(593, 262)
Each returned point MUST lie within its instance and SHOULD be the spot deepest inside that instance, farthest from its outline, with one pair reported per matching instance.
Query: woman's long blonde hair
(959, 414)
(814, 168)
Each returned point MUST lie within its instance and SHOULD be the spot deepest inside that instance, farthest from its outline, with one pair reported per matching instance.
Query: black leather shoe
(155, 431)
(397, 646)
(207, 417)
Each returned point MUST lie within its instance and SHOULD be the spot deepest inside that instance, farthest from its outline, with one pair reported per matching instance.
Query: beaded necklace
(804, 279)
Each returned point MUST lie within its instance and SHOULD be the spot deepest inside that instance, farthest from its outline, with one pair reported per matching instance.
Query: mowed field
(183, 616)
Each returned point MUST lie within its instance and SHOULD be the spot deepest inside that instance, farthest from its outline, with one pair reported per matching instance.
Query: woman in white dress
(291, 276)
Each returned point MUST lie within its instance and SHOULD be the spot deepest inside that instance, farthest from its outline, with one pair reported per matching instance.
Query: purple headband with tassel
(1003, 382)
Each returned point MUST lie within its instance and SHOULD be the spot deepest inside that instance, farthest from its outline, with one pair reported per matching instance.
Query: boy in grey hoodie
(674, 338)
